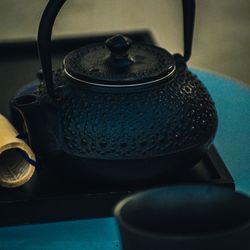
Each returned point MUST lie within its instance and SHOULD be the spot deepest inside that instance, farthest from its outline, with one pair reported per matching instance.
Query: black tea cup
(191, 217)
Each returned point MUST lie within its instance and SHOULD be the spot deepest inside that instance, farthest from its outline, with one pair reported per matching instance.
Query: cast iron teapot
(119, 109)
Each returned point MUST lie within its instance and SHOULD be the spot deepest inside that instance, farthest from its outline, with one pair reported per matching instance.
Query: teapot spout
(22, 108)
(36, 122)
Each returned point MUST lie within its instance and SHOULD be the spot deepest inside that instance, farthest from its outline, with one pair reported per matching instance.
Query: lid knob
(119, 46)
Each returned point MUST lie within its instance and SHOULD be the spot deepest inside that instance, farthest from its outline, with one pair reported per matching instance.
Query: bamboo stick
(14, 170)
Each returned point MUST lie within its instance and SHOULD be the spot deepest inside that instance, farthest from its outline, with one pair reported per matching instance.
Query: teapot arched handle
(45, 30)
(188, 7)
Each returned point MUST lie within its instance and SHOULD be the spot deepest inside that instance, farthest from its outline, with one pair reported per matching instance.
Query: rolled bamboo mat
(14, 169)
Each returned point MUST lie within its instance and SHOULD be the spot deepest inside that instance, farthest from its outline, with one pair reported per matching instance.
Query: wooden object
(14, 169)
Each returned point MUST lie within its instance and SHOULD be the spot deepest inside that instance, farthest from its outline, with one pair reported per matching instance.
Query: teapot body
(128, 135)
(119, 109)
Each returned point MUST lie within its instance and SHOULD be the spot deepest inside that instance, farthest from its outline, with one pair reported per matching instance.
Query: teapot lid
(119, 63)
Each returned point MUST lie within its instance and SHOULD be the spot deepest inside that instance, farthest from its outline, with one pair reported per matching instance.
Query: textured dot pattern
(90, 63)
(171, 117)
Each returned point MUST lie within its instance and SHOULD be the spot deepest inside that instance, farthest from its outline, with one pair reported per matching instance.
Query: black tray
(50, 195)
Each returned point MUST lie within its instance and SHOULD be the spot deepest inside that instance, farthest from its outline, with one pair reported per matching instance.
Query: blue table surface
(232, 100)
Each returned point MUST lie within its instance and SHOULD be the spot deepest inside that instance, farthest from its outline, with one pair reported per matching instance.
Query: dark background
(222, 35)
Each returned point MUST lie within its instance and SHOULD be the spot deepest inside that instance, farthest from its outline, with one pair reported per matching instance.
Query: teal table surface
(232, 100)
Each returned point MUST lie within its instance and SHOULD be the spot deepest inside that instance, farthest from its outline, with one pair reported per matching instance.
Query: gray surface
(221, 41)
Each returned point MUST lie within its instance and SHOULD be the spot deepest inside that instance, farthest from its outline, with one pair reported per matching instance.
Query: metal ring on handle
(47, 22)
